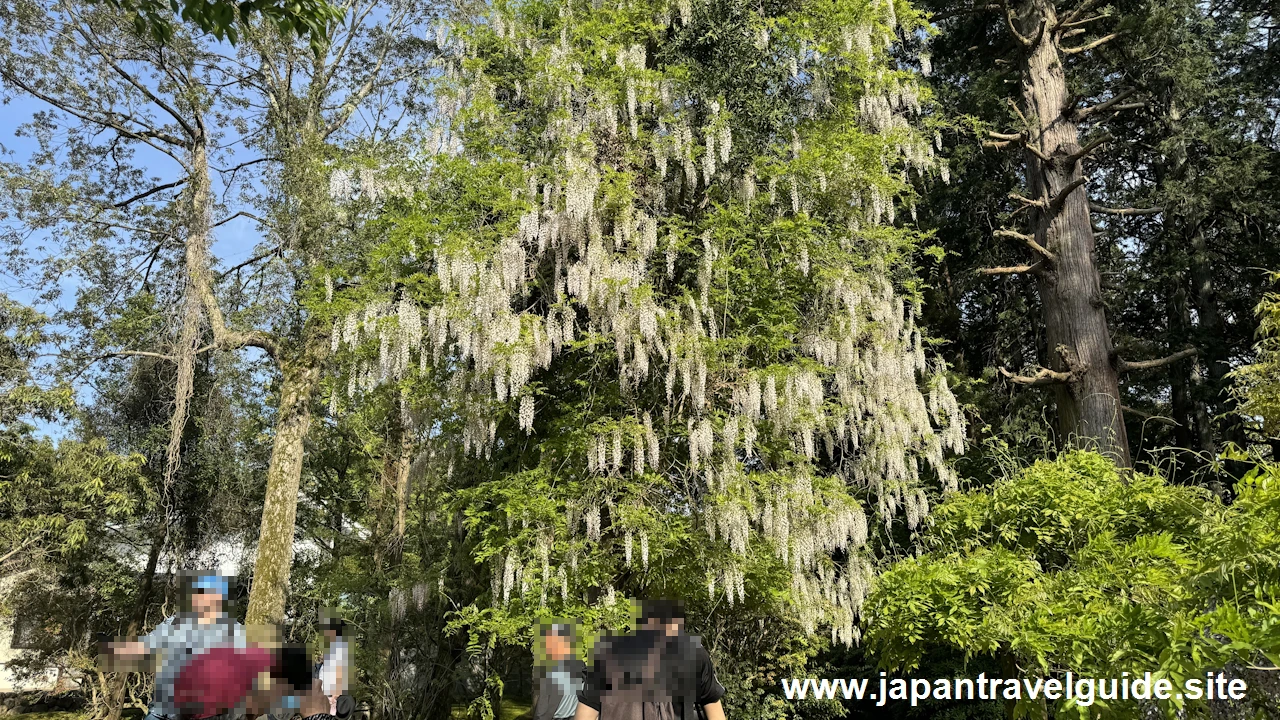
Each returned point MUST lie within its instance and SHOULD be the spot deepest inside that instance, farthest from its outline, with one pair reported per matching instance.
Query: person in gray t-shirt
(558, 674)
(179, 638)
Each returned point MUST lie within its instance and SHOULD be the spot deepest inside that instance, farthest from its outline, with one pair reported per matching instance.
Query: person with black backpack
(656, 673)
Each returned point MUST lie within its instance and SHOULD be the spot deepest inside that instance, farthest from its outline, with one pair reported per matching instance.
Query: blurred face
(558, 647)
(205, 602)
(669, 627)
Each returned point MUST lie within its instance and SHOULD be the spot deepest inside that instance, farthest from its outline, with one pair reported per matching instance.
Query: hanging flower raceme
(799, 439)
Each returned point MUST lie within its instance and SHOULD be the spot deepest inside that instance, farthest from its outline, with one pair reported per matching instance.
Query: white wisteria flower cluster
(857, 393)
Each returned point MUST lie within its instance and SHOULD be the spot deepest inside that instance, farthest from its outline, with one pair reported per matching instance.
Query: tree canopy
(934, 338)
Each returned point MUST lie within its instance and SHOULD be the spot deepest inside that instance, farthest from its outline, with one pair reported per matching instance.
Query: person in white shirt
(335, 669)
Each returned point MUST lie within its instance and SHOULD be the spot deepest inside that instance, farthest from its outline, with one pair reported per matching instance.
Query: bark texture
(301, 376)
(403, 463)
(1077, 337)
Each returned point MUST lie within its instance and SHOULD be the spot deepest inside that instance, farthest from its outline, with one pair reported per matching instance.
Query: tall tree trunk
(302, 118)
(1182, 409)
(301, 376)
(403, 463)
(1079, 342)
(300, 372)
(1207, 309)
(1211, 367)
(1207, 335)
(393, 495)
(121, 680)
(1204, 421)
(397, 456)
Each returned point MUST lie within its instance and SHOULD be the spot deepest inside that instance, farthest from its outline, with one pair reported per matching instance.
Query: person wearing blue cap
(182, 637)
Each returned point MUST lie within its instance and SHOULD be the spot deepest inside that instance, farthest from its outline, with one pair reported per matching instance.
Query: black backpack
(652, 676)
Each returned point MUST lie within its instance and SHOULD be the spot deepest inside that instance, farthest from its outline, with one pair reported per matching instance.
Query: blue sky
(234, 242)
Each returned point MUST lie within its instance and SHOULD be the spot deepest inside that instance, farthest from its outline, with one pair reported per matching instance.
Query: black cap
(662, 610)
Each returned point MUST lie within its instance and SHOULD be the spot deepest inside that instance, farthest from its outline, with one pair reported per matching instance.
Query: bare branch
(121, 226)
(224, 338)
(29, 541)
(1031, 148)
(1148, 416)
(1011, 269)
(1028, 201)
(1091, 45)
(242, 213)
(1013, 105)
(1030, 241)
(244, 165)
(1045, 376)
(1060, 199)
(104, 118)
(1095, 207)
(88, 362)
(1105, 105)
(1013, 234)
(250, 261)
(146, 91)
(1125, 366)
(1128, 106)
(1081, 9)
(149, 193)
(135, 353)
(356, 22)
(201, 284)
(1086, 21)
(354, 100)
(1089, 147)
(1003, 140)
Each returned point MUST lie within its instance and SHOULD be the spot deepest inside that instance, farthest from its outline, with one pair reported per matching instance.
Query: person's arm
(545, 698)
(339, 680)
(592, 686)
(127, 648)
(144, 644)
(314, 702)
(122, 656)
(239, 639)
(535, 697)
(714, 711)
(130, 655)
(710, 691)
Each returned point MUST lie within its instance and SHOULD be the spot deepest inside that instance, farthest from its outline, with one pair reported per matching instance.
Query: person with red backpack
(656, 673)
(232, 682)
(181, 639)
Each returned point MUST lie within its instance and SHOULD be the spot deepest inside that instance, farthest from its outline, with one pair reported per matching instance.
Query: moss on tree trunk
(301, 375)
